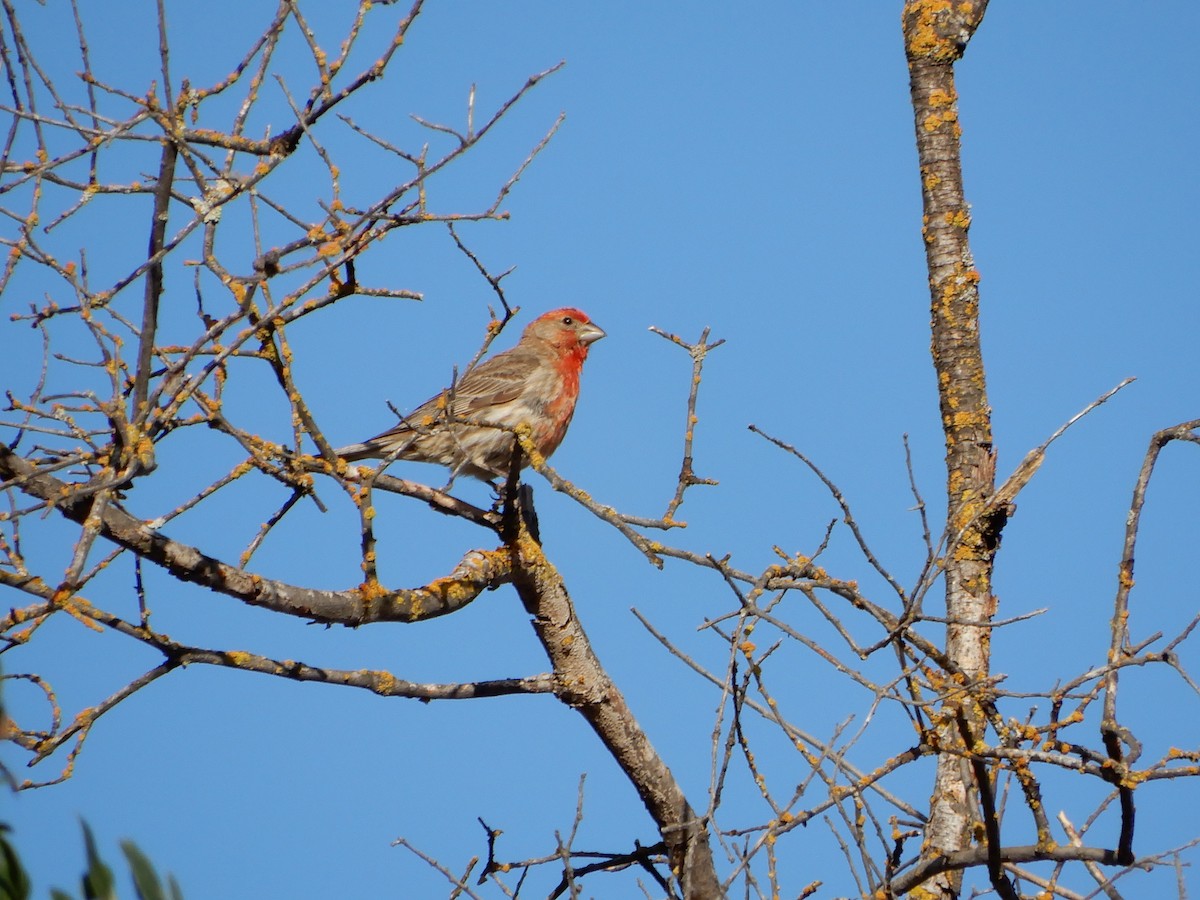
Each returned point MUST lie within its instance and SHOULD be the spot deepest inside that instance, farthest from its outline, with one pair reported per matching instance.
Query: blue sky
(753, 171)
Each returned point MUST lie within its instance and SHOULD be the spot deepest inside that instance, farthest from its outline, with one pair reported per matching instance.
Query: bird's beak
(590, 333)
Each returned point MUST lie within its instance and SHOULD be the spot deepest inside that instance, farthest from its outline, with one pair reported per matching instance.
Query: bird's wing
(494, 382)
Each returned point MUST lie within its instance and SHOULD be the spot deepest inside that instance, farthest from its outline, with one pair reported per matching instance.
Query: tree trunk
(936, 33)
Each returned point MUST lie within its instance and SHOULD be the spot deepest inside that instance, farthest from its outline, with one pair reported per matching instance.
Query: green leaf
(14, 881)
(98, 881)
(145, 879)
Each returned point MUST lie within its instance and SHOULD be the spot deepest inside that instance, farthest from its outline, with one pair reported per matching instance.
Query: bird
(469, 427)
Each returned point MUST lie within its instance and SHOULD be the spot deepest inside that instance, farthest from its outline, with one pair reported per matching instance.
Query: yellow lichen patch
(970, 418)
(17, 616)
(924, 40)
(1133, 779)
(372, 590)
(454, 590)
(939, 98)
(960, 218)
(1126, 575)
(382, 682)
(78, 608)
(145, 450)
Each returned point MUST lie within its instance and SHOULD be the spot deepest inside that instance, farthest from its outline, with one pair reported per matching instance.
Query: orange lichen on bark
(960, 218)
(381, 682)
(924, 39)
(935, 120)
(372, 590)
(939, 97)
(1126, 574)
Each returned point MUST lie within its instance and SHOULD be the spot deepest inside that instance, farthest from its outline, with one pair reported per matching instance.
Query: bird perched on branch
(469, 427)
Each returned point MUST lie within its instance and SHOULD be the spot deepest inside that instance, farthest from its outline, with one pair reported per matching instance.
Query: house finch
(536, 382)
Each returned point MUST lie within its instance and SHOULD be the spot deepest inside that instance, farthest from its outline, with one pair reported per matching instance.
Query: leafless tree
(262, 248)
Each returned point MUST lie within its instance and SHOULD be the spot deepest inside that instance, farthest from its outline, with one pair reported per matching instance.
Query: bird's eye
(567, 320)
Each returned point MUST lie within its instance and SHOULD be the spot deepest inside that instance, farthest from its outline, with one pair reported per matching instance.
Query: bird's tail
(355, 452)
